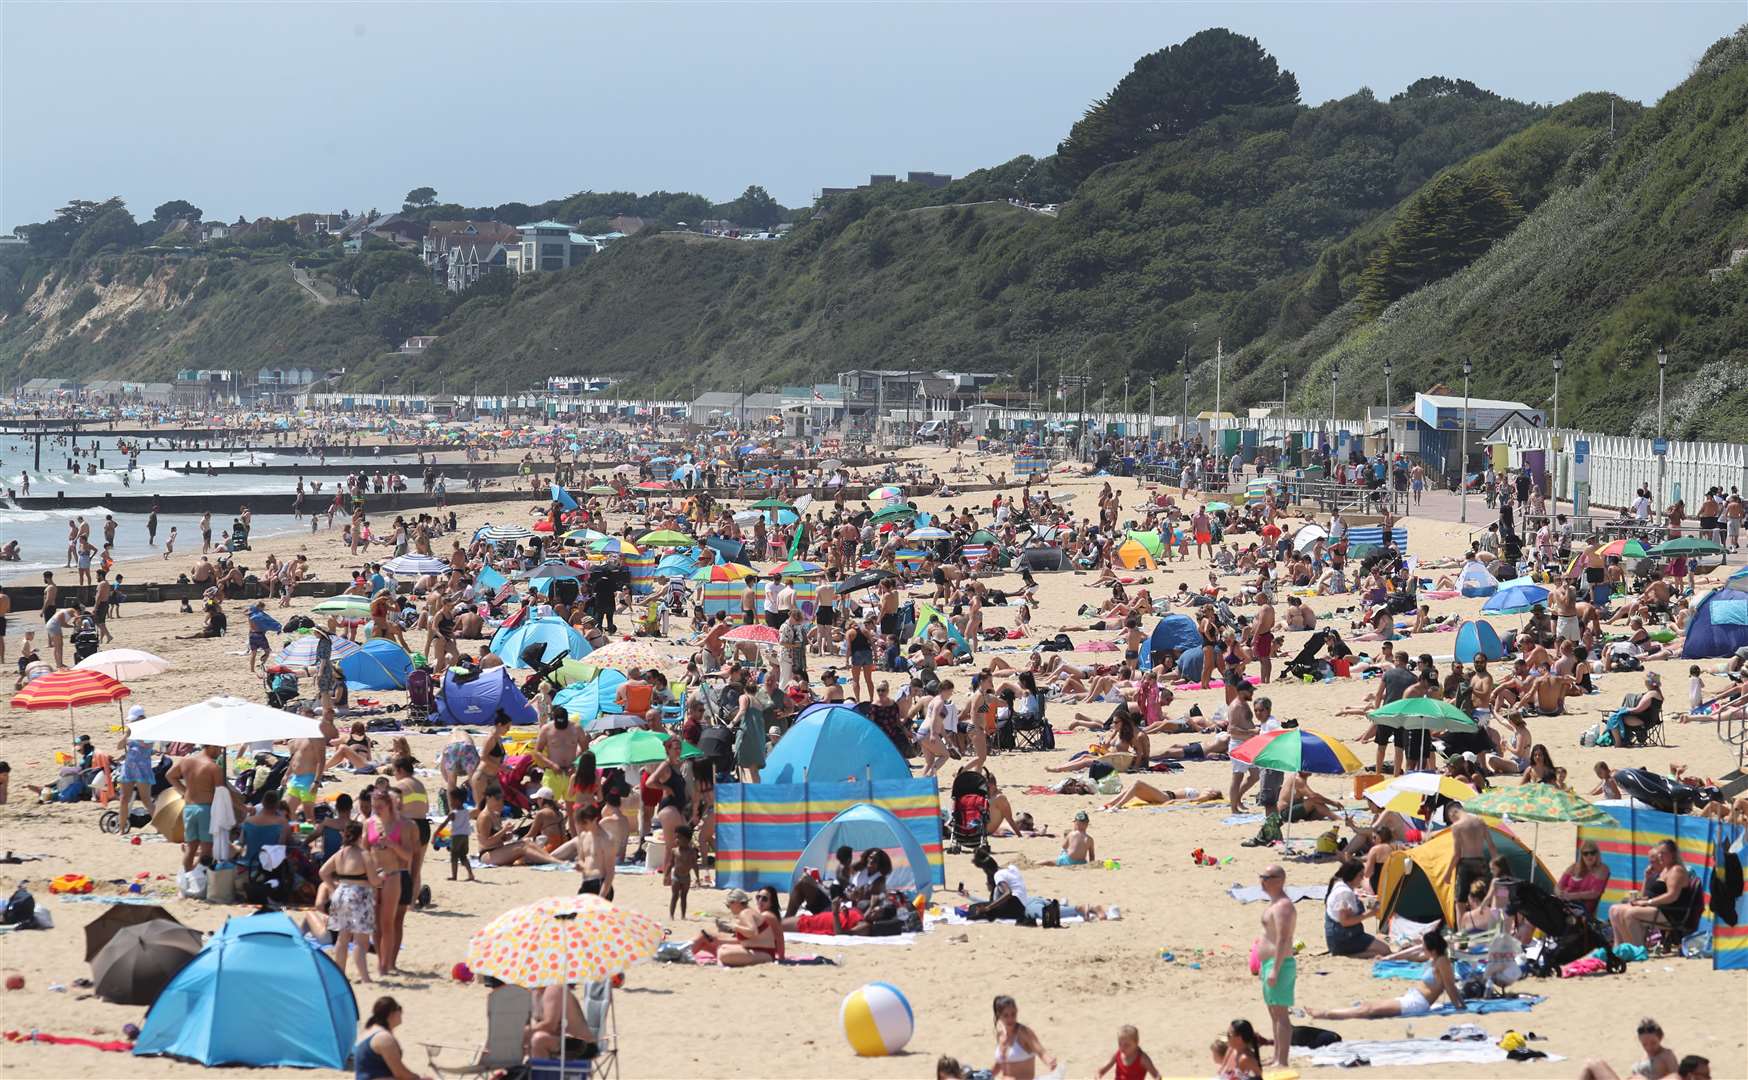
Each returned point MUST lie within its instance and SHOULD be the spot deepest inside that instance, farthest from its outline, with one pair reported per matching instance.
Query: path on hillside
(302, 277)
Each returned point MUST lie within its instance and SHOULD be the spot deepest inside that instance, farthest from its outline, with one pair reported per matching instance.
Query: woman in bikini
(674, 807)
(1017, 1049)
(753, 937)
(499, 844)
(390, 840)
(352, 879)
(491, 761)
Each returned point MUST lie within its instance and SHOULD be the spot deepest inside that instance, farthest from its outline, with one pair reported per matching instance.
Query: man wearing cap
(136, 768)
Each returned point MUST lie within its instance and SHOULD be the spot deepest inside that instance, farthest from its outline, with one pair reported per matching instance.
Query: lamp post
(1152, 385)
(1183, 418)
(1463, 462)
(1662, 459)
(1126, 424)
(1334, 377)
(1554, 472)
(1388, 433)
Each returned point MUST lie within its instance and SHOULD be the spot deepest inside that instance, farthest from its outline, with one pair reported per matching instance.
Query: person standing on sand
(1280, 969)
(1473, 851)
(196, 777)
(206, 532)
(5, 610)
(415, 807)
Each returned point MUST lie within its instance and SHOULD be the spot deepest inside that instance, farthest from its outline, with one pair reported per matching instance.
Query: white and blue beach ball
(877, 1020)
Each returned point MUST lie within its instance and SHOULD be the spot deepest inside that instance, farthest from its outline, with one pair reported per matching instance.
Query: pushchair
(968, 822)
(85, 639)
(1306, 663)
(1568, 933)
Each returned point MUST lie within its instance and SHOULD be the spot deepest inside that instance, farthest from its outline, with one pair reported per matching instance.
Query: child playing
(170, 544)
(1130, 1061)
(460, 828)
(1696, 690)
(682, 862)
(1077, 846)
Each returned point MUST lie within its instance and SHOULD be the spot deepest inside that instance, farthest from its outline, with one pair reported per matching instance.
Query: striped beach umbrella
(614, 545)
(731, 571)
(347, 608)
(1404, 793)
(300, 651)
(1297, 750)
(506, 534)
(887, 493)
(69, 689)
(415, 564)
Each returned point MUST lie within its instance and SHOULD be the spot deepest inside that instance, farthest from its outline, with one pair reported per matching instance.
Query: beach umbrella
(1688, 546)
(552, 634)
(1423, 714)
(583, 536)
(599, 489)
(654, 485)
(225, 721)
(614, 545)
(1404, 793)
(635, 656)
(554, 568)
(506, 534)
(69, 689)
(116, 918)
(347, 607)
(773, 504)
(800, 568)
(723, 572)
(1216, 507)
(139, 961)
(893, 513)
(559, 940)
(1536, 802)
(666, 538)
(1297, 750)
(415, 565)
(642, 747)
(123, 665)
(1513, 599)
(1623, 549)
(757, 633)
(677, 565)
(928, 532)
(864, 579)
(624, 469)
(887, 493)
(300, 651)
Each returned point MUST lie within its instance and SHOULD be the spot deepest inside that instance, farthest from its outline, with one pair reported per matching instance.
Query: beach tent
(865, 826)
(1306, 535)
(1172, 632)
(550, 632)
(1044, 559)
(256, 969)
(1152, 541)
(927, 614)
(477, 700)
(1135, 556)
(590, 703)
(830, 742)
(762, 829)
(490, 580)
(1189, 665)
(563, 498)
(380, 665)
(1476, 581)
(1477, 638)
(1719, 625)
(676, 566)
(728, 550)
(1413, 884)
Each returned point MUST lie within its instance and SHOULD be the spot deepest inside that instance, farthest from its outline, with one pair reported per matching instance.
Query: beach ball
(877, 1020)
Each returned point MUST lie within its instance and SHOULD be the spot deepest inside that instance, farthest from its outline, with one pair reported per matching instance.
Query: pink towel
(1213, 684)
(1584, 965)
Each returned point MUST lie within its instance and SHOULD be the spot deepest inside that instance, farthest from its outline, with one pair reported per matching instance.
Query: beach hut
(215, 1010)
(1477, 638)
(1719, 626)
(1414, 886)
(865, 826)
(379, 665)
(831, 742)
(1172, 632)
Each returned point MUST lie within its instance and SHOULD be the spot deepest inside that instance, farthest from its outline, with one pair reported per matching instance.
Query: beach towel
(1242, 819)
(840, 940)
(1253, 894)
(114, 1046)
(1399, 1052)
(1213, 684)
(1415, 970)
(152, 901)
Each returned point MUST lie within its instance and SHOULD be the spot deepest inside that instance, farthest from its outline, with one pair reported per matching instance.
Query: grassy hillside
(1600, 273)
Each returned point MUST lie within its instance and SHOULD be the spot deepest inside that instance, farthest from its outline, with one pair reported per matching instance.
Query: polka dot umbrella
(562, 939)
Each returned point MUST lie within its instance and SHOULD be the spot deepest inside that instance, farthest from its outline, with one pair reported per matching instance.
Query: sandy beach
(1074, 986)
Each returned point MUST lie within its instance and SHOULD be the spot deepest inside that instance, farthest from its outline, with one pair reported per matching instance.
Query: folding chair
(508, 1012)
(597, 1000)
(1035, 733)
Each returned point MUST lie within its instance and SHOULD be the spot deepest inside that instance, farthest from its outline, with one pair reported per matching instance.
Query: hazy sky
(265, 108)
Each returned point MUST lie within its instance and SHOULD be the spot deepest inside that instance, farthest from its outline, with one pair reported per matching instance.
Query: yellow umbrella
(1404, 793)
(559, 940)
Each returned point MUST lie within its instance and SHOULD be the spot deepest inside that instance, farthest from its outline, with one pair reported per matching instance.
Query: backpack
(20, 908)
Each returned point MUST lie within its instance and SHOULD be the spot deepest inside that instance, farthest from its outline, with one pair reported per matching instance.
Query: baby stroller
(1306, 663)
(282, 687)
(969, 821)
(85, 639)
(1569, 932)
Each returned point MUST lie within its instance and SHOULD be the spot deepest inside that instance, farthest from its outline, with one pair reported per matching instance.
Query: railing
(1735, 733)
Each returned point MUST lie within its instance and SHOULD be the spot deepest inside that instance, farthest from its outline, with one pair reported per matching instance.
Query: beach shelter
(255, 969)
(379, 665)
(727, 550)
(1626, 840)
(1044, 559)
(477, 698)
(550, 632)
(1306, 535)
(1477, 638)
(562, 497)
(1414, 886)
(1152, 541)
(865, 826)
(830, 742)
(1476, 581)
(1135, 556)
(1172, 632)
(1719, 625)
(590, 703)
(926, 614)
(676, 566)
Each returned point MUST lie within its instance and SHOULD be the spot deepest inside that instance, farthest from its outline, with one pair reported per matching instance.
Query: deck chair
(597, 1000)
(1034, 733)
(508, 1012)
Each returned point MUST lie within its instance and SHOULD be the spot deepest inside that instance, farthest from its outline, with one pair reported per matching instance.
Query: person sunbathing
(1418, 1000)
(1298, 802)
(1142, 791)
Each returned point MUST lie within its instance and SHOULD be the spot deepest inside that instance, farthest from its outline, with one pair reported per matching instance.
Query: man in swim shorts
(1279, 969)
(196, 778)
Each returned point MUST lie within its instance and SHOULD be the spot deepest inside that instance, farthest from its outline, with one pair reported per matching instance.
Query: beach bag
(192, 883)
(1110, 784)
(221, 884)
(20, 908)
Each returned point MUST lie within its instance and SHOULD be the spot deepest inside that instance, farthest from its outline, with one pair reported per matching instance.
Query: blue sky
(268, 108)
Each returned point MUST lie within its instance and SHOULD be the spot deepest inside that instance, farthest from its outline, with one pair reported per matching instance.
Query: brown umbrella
(119, 917)
(167, 813)
(140, 961)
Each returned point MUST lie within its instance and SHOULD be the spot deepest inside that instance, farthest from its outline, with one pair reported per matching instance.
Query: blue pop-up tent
(830, 742)
(379, 665)
(865, 826)
(1719, 626)
(1477, 638)
(591, 705)
(479, 699)
(258, 994)
(1172, 632)
(551, 633)
(563, 498)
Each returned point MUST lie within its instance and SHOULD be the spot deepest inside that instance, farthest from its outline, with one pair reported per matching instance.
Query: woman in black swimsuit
(675, 807)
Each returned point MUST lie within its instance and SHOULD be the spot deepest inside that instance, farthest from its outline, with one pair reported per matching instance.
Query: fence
(1618, 465)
